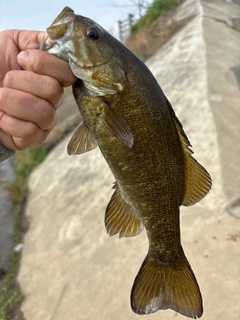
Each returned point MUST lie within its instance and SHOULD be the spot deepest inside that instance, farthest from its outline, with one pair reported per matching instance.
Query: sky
(39, 14)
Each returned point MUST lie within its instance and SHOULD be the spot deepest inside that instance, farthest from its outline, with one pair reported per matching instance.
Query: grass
(25, 161)
(10, 296)
(156, 9)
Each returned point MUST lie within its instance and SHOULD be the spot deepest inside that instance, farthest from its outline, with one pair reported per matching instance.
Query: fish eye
(93, 33)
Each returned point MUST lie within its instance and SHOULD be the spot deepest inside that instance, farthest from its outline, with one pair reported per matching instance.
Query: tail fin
(157, 287)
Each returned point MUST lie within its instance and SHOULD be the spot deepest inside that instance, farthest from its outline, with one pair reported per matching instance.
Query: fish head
(88, 48)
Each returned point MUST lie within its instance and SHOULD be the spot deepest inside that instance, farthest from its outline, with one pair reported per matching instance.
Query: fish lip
(49, 42)
(85, 67)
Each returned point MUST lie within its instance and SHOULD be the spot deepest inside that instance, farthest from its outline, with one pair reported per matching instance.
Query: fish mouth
(63, 41)
(62, 26)
(59, 42)
(81, 70)
(85, 67)
(59, 32)
(55, 47)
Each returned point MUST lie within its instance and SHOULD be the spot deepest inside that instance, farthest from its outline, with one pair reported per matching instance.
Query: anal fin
(120, 217)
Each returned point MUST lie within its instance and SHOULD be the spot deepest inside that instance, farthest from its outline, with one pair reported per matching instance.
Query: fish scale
(127, 115)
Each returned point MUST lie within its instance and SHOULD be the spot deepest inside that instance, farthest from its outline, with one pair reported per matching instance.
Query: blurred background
(39, 14)
(56, 260)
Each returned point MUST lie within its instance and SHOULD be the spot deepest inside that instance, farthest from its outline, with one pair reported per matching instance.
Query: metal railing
(125, 27)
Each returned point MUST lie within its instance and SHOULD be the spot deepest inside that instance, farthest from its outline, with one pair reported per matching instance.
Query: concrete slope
(70, 268)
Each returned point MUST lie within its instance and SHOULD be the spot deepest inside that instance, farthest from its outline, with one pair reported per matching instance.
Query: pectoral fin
(81, 141)
(197, 180)
(117, 125)
(121, 218)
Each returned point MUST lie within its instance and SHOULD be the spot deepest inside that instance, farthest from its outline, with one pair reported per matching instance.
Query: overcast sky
(39, 14)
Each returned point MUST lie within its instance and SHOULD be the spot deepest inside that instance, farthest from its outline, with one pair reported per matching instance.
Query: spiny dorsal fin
(120, 217)
(81, 141)
(117, 125)
(197, 180)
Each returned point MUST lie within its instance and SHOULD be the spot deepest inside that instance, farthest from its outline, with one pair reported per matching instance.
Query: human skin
(31, 89)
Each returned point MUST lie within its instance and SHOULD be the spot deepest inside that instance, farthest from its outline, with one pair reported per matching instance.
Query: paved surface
(70, 268)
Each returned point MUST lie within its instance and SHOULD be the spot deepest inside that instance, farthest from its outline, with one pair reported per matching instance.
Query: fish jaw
(59, 33)
(71, 38)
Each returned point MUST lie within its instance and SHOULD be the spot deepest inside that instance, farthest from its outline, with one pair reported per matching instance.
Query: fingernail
(22, 58)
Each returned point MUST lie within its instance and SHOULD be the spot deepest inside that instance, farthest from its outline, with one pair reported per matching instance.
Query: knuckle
(4, 96)
(69, 79)
(29, 135)
(45, 114)
(30, 132)
(55, 91)
(2, 118)
(9, 79)
(45, 109)
(36, 62)
(51, 85)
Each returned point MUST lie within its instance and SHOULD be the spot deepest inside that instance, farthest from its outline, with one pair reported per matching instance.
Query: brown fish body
(153, 169)
(125, 111)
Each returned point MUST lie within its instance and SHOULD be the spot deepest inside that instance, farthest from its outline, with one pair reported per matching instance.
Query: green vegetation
(156, 9)
(25, 161)
(10, 296)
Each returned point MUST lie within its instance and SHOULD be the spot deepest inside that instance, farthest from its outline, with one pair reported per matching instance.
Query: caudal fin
(157, 287)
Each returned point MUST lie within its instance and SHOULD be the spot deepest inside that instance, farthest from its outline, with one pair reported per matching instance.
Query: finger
(46, 64)
(44, 87)
(18, 135)
(27, 39)
(28, 108)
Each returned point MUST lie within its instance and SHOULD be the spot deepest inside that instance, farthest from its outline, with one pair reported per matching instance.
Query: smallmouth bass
(127, 115)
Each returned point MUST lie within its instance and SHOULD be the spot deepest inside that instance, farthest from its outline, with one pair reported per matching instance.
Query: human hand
(31, 88)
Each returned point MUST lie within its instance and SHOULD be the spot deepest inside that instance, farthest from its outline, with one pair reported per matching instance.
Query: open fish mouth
(63, 41)
(59, 32)
(62, 26)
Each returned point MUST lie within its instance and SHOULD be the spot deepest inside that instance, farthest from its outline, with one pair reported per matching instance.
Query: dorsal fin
(120, 217)
(197, 180)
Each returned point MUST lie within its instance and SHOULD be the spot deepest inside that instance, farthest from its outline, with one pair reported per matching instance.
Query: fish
(126, 114)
